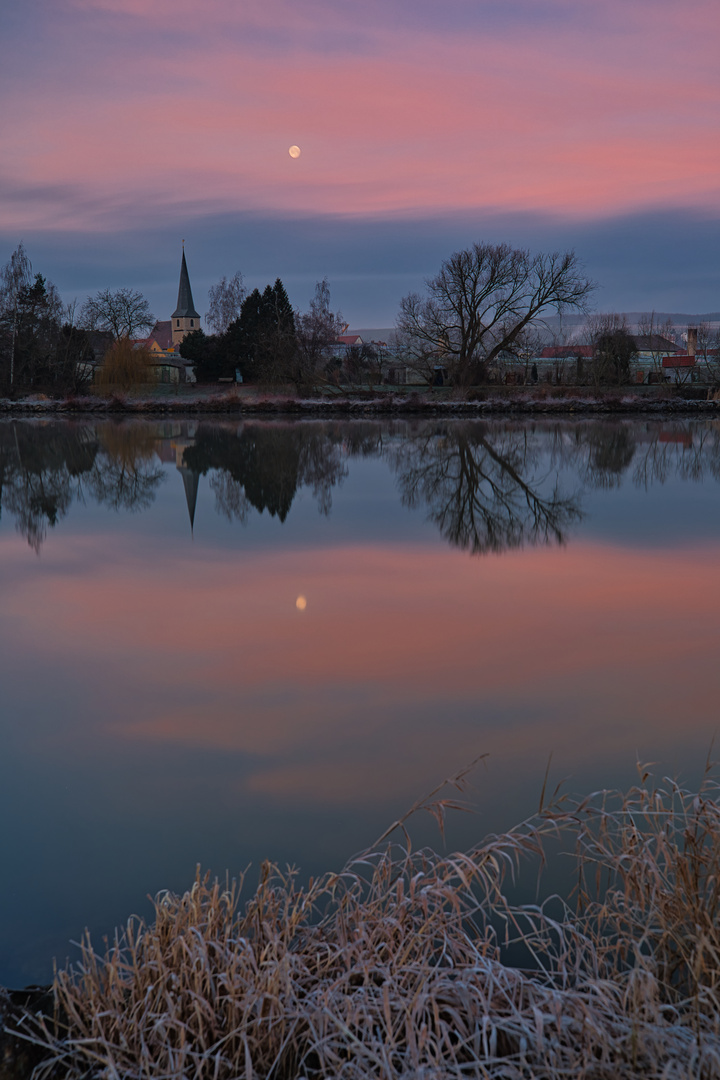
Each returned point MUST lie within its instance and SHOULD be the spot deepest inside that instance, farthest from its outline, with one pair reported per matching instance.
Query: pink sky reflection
(406, 660)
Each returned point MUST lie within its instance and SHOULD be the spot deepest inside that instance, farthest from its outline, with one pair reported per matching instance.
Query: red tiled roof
(349, 339)
(678, 361)
(562, 352)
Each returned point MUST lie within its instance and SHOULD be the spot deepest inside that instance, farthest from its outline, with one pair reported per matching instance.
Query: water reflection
(167, 702)
(45, 468)
(262, 466)
(649, 452)
(487, 487)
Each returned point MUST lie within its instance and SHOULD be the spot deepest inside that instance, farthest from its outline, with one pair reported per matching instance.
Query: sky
(127, 126)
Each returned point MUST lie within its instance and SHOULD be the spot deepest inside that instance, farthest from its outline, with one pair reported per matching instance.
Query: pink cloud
(557, 119)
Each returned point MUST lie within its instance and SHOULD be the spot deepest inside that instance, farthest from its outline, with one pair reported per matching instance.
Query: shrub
(125, 366)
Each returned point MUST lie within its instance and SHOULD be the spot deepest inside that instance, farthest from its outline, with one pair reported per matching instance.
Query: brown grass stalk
(397, 966)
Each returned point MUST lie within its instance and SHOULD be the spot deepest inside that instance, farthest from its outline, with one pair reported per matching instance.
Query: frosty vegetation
(400, 965)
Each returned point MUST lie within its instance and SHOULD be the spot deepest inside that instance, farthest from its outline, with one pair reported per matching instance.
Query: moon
(294, 151)
(301, 603)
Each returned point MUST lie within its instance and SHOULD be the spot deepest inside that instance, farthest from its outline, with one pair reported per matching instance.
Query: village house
(655, 356)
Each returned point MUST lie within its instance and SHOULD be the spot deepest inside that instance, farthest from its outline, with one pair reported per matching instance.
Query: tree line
(41, 345)
(481, 317)
(261, 338)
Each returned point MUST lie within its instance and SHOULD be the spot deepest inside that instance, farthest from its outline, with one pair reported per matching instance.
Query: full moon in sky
(294, 151)
(301, 603)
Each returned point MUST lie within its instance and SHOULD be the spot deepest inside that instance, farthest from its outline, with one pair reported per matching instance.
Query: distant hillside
(680, 319)
(374, 334)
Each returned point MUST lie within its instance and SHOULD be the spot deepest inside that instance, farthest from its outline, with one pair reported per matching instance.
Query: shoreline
(487, 402)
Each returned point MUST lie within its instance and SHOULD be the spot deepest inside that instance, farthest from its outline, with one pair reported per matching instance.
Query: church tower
(185, 318)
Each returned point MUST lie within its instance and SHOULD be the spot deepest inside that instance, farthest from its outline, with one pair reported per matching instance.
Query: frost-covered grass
(398, 965)
(475, 401)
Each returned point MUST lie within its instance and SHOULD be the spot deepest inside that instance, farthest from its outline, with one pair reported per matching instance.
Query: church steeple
(185, 318)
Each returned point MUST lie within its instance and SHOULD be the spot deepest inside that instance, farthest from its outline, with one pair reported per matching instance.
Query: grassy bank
(399, 965)
(478, 402)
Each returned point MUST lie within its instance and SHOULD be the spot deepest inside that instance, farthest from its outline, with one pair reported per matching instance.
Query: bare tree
(613, 345)
(362, 365)
(122, 313)
(483, 299)
(16, 275)
(526, 348)
(567, 349)
(225, 302)
(708, 350)
(316, 332)
(656, 337)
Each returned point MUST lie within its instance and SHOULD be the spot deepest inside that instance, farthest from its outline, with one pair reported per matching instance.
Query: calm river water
(226, 641)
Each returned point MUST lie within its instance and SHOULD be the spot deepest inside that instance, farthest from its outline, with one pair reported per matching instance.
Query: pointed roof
(185, 307)
(161, 333)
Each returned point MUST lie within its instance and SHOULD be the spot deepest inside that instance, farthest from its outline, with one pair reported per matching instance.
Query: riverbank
(446, 402)
(417, 964)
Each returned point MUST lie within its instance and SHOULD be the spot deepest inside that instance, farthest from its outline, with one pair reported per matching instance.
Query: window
(177, 322)
(192, 322)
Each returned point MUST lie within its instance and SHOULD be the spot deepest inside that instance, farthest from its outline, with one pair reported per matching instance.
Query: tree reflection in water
(264, 465)
(125, 474)
(485, 491)
(44, 468)
(688, 451)
(40, 470)
(603, 452)
(487, 486)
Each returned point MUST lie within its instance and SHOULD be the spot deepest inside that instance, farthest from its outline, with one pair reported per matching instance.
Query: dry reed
(397, 966)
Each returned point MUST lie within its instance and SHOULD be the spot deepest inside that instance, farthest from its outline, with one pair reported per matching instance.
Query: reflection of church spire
(191, 480)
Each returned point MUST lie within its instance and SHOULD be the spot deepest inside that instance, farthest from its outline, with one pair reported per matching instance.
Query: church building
(164, 339)
(185, 318)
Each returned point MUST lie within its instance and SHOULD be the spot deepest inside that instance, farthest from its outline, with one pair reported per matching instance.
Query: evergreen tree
(262, 339)
(40, 347)
(210, 355)
(243, 335)
(31, 335)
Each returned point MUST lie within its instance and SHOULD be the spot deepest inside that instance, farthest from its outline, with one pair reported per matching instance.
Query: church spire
(185, 318)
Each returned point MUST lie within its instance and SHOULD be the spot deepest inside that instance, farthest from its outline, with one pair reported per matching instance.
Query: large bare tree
(482, 300)
(123, 313)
